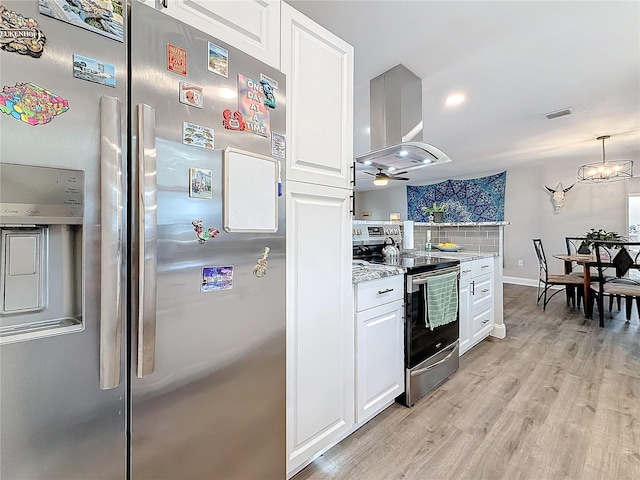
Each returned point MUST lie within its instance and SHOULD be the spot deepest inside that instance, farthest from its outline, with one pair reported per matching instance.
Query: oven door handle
(426, 369)
(424, 278)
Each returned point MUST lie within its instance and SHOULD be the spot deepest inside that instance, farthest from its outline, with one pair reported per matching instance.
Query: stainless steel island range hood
(396, 124)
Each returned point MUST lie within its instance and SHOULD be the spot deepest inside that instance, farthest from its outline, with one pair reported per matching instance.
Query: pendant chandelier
(605, 171)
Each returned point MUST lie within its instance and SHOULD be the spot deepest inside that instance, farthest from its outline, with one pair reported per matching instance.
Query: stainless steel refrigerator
(142, 316)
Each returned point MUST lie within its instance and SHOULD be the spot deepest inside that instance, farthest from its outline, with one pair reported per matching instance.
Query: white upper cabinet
(252, 26)
(319, 70)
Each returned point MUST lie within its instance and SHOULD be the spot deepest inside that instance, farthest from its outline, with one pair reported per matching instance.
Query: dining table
(587, 260)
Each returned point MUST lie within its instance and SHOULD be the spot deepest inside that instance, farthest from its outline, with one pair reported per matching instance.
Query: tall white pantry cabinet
(318, 174)
(320, 328)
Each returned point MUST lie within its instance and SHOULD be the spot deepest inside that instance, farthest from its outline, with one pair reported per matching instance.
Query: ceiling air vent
(559, 113)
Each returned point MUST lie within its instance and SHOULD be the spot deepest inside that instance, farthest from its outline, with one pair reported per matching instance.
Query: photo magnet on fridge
(217, 278)
(218, 60)
(103, 17)
(20, 34)
(200, 183)
(191, 94)
(95, 71)
(278, 145)
(176, 59)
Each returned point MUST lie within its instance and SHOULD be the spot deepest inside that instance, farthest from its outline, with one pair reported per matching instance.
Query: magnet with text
(85, 68)
(31, 103)
(176, 59)
(260, 270)
(217, 278)
(20, 34)
(191, 94)
(251, 106)
(233, 121)
(202, 234)
(218, 60)
(278, 145)
(269, 97)
(197, 135)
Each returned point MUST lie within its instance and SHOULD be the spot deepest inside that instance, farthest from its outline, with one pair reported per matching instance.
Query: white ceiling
(514, 61)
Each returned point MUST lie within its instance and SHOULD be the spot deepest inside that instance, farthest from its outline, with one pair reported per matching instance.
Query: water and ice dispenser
(41, 217)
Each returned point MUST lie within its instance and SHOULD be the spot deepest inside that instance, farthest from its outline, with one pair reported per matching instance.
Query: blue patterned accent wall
(475, 200)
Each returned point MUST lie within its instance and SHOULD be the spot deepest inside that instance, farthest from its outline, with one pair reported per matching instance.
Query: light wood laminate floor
(559, 398)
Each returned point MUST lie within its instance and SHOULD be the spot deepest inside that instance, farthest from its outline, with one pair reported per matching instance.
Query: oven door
(422, 342)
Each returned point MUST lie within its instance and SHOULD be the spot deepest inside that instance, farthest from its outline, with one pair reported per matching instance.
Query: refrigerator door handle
(111, 241)
(147, 235)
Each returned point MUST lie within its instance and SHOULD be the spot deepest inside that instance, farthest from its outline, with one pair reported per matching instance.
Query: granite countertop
(462, 256)
(364, 271)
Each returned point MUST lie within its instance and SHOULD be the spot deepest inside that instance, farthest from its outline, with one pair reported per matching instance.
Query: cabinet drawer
(481, 292)
(465, 273)
(482, 266)
(377, 292)
(482, 322)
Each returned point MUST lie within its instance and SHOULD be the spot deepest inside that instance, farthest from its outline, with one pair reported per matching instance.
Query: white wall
(529, 208)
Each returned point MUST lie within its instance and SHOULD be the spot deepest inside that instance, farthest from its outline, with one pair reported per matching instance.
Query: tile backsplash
(473, 238)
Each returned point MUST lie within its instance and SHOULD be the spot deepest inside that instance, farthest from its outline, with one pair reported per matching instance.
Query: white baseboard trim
(499, 331)
(520, 281)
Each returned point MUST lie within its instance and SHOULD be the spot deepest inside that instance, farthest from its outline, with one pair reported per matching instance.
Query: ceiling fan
(383, 178)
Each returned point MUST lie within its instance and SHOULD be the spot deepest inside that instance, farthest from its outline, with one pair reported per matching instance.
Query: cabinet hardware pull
(484, 290)
(473, 287)
(485, 321)
(380, 292)
(466, 271)
(484, 266)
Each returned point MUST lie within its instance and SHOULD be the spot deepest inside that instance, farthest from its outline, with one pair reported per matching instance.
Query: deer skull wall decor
(558, 196)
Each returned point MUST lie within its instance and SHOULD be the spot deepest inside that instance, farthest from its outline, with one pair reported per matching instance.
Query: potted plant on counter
(599, 235)
(436, 211)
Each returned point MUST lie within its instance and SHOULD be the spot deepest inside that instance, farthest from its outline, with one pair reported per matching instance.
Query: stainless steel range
(431, 348)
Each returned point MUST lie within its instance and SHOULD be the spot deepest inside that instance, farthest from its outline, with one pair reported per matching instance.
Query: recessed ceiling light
(391, 169)
(367, 162)
(426, 160)
(403, 153)
(455, 99)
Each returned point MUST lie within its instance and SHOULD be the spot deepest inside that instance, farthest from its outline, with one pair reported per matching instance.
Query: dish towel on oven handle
(441, 298)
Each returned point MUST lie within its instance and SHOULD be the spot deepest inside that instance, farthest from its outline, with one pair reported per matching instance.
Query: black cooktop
(415, 264)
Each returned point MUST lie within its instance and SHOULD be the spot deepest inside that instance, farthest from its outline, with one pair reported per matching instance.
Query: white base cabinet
(379, 345)
(477, 310)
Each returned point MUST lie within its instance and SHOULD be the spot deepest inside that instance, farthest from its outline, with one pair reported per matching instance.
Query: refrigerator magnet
(197, 135)
(31, 103)
(233, 122)
(202, 234)
(20, 34)
(85, 68)
(260, 270)
(217, 278)
(191, 94)
(200, 183)
(269, 97)
(251, 106)
(278, 145)
(84, 14)
(218, 60)
(176, 59)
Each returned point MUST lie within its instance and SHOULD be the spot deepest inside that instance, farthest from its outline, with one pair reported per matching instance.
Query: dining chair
(574, 246)
(547, 280)
(618, 265)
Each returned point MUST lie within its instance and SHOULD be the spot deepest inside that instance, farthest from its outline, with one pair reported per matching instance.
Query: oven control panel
(372, 234)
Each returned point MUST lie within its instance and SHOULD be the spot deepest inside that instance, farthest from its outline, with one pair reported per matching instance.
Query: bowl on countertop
(447, 248)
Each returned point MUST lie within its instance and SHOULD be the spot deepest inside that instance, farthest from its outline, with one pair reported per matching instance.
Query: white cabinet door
(320, 326)
(319, 70)
(252, 26)
(380, 358)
